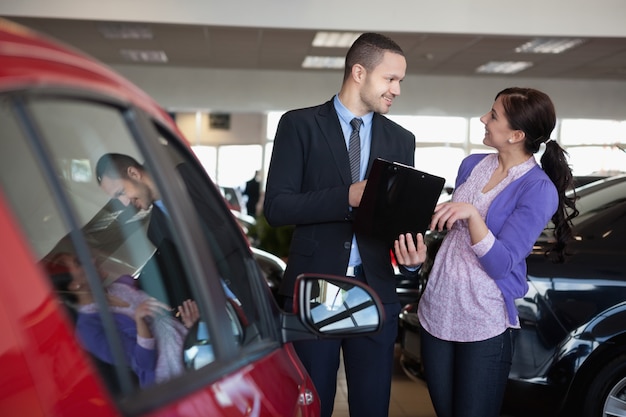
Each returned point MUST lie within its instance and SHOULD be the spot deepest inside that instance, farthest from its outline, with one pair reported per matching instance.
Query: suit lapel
(328, 122)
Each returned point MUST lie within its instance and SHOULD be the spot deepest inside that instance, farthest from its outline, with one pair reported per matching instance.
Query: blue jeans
(467, 379)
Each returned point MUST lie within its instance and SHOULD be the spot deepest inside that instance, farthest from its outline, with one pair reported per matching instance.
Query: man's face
(382, 84)
(132, 190)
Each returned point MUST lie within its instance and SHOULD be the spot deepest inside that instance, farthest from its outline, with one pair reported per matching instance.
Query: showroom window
(595, 147)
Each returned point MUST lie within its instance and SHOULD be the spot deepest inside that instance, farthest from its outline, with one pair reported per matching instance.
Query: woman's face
(76, 270)
(497, 129)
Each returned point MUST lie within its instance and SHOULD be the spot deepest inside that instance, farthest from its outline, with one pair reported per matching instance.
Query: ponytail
(555, 165)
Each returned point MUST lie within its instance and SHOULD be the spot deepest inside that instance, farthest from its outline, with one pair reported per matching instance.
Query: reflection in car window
(105, 264)
(235, 264)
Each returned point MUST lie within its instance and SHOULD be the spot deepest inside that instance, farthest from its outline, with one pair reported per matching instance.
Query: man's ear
(133, 173)
(358, 73)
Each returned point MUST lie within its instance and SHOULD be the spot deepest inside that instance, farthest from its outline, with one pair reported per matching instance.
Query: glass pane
(440, 161)
(596, 160)
(24, 185)
(476, 131)
(237, 164)
(273, 118)
(207, 155)
(122, 262)
(592, 132)
(434, 128)
(237, 269)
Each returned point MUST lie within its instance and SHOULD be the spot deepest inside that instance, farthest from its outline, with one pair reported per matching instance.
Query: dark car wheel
(607, 393)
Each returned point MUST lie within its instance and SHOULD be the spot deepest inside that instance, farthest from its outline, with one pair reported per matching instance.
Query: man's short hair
(368, 50)
(115, 165)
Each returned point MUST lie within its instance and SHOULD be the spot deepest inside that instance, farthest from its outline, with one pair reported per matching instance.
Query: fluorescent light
(504, 67)
(324, 62)
(144, 55)
(125, 31)
(548, 46)
(335, 39)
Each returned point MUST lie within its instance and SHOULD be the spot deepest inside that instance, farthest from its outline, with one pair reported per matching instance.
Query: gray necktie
(354, 149)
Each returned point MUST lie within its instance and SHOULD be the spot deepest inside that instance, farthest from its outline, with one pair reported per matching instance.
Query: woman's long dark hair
(60, 276)
(532, 112)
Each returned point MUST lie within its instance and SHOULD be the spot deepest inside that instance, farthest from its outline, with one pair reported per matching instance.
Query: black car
(570, 354)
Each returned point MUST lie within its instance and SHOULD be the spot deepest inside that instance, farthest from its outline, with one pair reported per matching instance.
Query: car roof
(37, 61)
(598, 185)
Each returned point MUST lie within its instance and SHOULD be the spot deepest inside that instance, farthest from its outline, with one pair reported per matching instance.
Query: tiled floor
(409, 398)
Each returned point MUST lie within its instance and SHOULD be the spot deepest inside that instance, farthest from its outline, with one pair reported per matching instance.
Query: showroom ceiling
(218, 47)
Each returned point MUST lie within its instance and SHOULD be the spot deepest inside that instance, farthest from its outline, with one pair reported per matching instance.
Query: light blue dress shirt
(365, 134)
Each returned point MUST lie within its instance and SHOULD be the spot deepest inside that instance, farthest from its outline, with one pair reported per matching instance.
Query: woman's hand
(189, 313)
(409, 253)
(149, 308)
(446, 214)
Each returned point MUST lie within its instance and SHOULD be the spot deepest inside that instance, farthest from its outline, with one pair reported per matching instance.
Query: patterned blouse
(461, 302)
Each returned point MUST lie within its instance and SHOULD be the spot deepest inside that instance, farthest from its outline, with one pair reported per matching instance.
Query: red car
(77, 265)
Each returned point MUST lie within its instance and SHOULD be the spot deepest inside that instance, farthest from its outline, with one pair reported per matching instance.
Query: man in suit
(122, 177)
(253, 192)
(310, 186)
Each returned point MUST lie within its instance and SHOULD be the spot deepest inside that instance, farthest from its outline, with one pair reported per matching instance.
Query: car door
(231, 361)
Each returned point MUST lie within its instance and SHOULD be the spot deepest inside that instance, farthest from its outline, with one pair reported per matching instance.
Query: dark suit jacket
(308, 184)
(167, 261)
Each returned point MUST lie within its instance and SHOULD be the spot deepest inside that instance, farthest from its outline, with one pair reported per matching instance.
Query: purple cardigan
(516, 218)
(142, 359)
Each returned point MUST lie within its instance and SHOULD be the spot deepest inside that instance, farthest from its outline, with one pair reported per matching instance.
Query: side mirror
(337, 306)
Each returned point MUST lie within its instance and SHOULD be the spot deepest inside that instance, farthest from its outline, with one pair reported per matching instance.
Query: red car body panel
(44, 370)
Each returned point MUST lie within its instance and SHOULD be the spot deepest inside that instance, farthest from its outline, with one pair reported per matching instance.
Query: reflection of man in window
(125, 179)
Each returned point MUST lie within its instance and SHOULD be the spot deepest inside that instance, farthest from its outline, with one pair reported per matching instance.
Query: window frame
(144, 130)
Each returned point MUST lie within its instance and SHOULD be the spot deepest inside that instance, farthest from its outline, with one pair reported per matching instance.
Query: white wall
(260, 91)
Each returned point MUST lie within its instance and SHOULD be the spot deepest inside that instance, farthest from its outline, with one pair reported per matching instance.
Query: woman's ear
(517, 136)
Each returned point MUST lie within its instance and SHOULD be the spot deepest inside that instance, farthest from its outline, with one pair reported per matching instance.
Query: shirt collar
(346, 115)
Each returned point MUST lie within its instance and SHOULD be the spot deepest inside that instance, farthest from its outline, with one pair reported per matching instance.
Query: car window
(118, 267)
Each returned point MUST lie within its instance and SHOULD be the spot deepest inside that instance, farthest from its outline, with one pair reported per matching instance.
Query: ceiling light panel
(334, 39)
(548, 46)
(144, 55)
(331, 62)
(503, 67)
(125, 31)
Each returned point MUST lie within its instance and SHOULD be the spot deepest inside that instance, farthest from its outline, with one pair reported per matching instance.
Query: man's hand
(356, 193)
(409, 253)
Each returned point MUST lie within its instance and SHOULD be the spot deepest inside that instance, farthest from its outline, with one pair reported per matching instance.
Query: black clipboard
(397, 199)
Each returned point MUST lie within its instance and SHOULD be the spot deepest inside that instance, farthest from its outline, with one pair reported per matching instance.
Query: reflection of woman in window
(152, 340)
